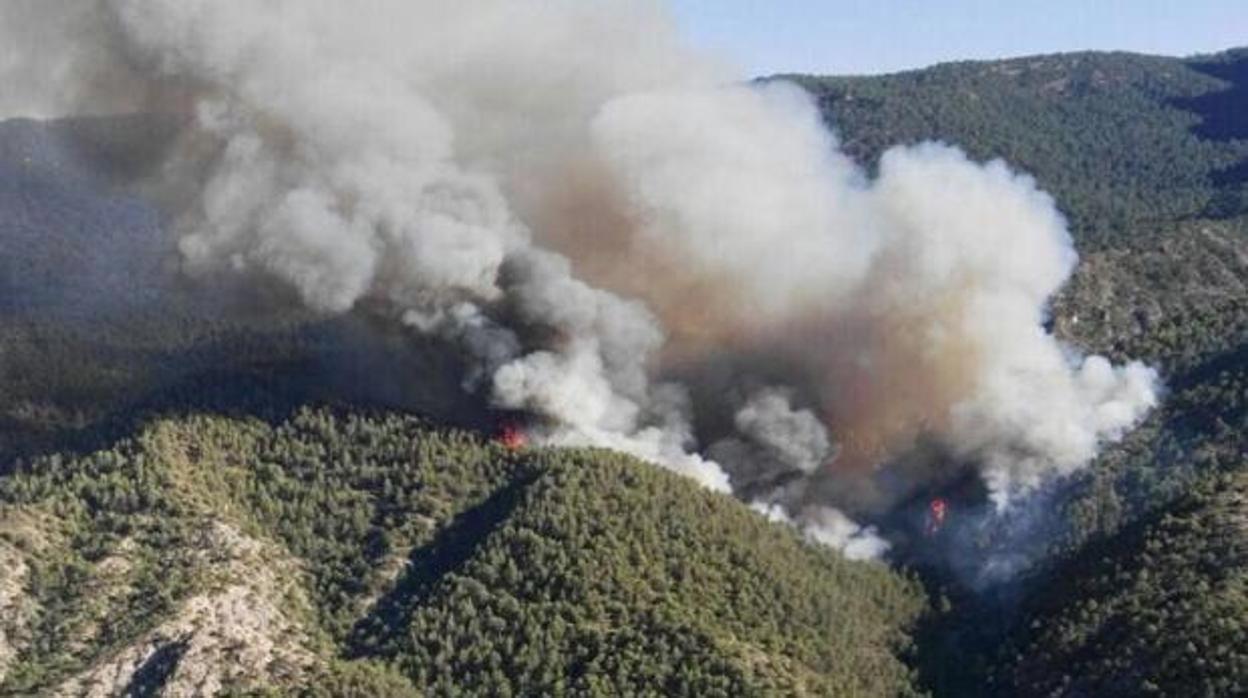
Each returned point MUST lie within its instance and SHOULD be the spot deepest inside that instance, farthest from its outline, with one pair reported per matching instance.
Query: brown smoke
(586, 217)
(880, 376)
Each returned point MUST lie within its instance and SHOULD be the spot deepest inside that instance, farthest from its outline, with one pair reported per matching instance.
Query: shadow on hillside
(1204, 418)
(150, 678)
(1223, 113)
(347, 362)
(390, 619)
(101, 332)
(1089, 570)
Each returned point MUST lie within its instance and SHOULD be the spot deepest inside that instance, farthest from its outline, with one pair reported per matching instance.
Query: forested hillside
(221, 492)
(372, 555)
(1148, 158)
(1127, 144)
(1159, 609)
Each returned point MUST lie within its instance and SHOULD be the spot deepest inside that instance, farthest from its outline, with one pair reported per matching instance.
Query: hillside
(205, 487)
(1156, 610)
(347, 554)
(1146, 156)
(1126, 143)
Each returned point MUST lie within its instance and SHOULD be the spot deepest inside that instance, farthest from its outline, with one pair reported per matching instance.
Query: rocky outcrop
(16, 607)
(21, 536)
(244, 631)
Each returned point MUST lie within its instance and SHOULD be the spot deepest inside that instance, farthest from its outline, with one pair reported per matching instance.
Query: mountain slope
(1147, 156)
(331, 552)
(1122, 141)
(1160, 609)
(219, 553)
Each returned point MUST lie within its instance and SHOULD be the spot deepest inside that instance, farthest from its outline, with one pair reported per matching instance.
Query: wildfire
(512, 437)
(936, 512)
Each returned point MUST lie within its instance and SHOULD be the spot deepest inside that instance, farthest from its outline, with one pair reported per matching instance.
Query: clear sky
(875, 36)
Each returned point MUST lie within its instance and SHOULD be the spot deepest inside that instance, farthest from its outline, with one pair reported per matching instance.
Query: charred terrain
(214, 483)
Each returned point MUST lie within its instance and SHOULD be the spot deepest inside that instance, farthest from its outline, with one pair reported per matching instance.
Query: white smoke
(404, 152)
(50, 61)
(830, 528)
(986, 240)
(340, 176)
(743, 182)
(1024, 443)
(946, 266)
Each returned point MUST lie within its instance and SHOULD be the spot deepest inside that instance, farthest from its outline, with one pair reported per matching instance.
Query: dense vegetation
(1122, 141)
(437, 564)
(1157, 610)
(156, 460)
(1147, 157)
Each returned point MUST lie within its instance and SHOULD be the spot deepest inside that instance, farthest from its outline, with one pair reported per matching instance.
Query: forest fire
(936, 513)
(512, 436)
(652, 258)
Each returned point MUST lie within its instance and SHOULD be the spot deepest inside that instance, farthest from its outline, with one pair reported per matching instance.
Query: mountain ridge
(170, 420)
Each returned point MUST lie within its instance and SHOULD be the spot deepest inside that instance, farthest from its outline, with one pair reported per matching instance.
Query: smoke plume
(624, 242)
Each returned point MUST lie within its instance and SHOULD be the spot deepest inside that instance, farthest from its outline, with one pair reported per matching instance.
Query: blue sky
(874, 36)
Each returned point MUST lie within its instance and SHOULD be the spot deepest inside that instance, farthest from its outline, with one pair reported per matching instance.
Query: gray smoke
(773, 434)
(579, 202)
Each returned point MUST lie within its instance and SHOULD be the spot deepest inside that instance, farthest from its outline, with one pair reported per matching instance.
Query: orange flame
(512, 437)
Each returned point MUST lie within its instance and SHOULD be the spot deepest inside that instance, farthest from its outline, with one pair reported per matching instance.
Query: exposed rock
(1121, 298)
(16, 606)
(21, 534)
(244, 632)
